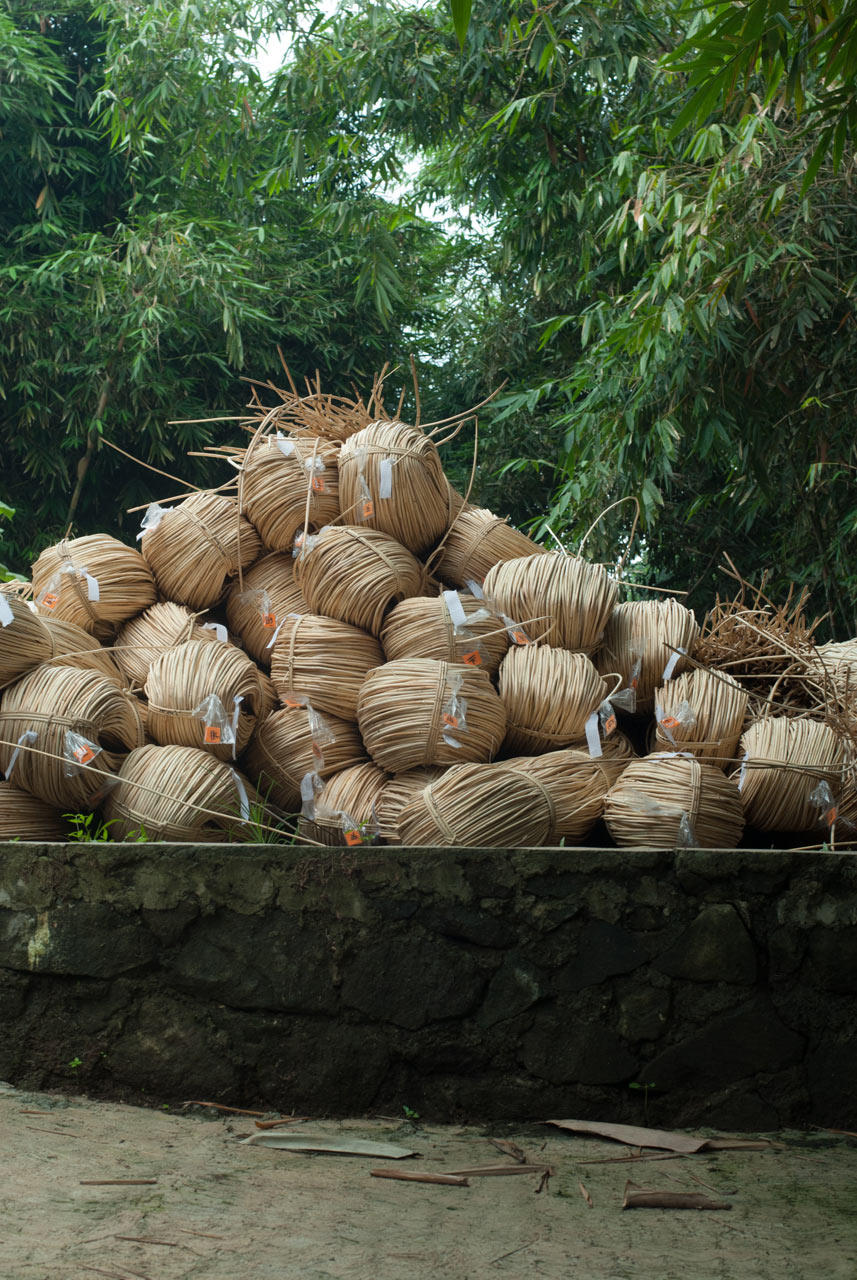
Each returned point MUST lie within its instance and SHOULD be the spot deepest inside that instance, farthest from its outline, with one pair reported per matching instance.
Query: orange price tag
(473, 659)
(353, 836)
(292, 703)
(269, 621)
(368, 510)
(51, 600)
(609, 726)
(318, 484)
(635, 680)
(450, 720)
(670, 722)
(211, 736)
(83, 754)
(317, 752)
(520, 637)
(831, 815)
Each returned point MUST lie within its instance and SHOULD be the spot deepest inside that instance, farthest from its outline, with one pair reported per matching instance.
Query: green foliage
(87, 827)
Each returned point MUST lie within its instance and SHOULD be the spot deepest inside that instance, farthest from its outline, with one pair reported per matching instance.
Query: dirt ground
(219, 1210)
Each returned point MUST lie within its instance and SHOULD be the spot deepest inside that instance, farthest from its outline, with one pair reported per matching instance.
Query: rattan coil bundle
(24, 639)
(177, 793)
(287, 481)
(391, 478)
(576, 782)
(256, 607)
(270, 699)
(664, 801)
(195, 547)
(640, 642)
(71, 646)
(423, 627)
(549, 694)
(25, 817)
(203, 695)
(476, 542)
(295, 741)
(418, 712)
(144, 639)
(479, 805)
(701, 713)
(324, 661)
(95, 582)
(345, 810)
(79, 718)
(568, 599)
(396, 794)
(783, 762)
(356, 575)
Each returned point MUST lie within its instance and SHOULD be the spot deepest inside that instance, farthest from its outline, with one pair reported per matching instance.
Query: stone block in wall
(738, 1045)
(563, 1050)
(89, 939)
(716, 947)
(411, 980)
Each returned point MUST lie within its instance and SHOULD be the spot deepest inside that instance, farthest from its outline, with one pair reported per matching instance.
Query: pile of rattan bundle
(196, 547)
(95, 582)
(391, 478)
(549, 695)
(641, 641)
(401, 788)
(294, 742)
(24, 639)
(178, 793)
(203, 695)
(288, 482)
(257, 606)
(356, 575)
(323, 661)
(557, 599)
(145, 638)
(477, 541)
(344, 810)
(668, 800)
(479, 804)
(701, 712)
(783, 762)
(25, 817)
(69, 727)
(576, 782)
(452, 627)
(418, 712)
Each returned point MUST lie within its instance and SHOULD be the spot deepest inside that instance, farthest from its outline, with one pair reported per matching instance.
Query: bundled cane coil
(356, 574)
(640, 640)
(24, 640)
(287, 482)
(476, 542)
(95, 582)
(256, 608)
(418, 712)
(181, 682)
(664, 801)
(783, 762)
(577, 782)
(24, 817)
(484, 805)
(71, 646)
(295, 741)
(702, 713)
(324, 661)
(175, 793)
(270, 699)
(569, 600)
(195, 547)
(143, 640)
(345, 810)
(396, 794)
(423, 627)
(391, 478)
(549, 694)
(69, 711)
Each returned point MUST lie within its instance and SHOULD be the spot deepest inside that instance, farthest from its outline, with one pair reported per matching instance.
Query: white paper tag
(6, 614)
(29, 736)
(475, 589)
(236, 712)
(455, 608)
(92, 588)
(285, 446)
(242, 795)
(672, 663)
(593, 737)
(218, 629)
(385, 478)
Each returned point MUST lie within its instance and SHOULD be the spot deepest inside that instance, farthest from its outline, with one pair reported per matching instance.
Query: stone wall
(460, 983)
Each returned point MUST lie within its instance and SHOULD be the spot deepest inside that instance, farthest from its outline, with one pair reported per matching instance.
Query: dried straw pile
(287, 482)
(356, 575)
(474, 805)
(459, 629)
(195, 547)
(665, 801)
(639, 643)
(203, 695)
(95, 582)
(177, 794)
(256, 607)
(549, 695)
(783, 762)
(558, 599)
(418, 712)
